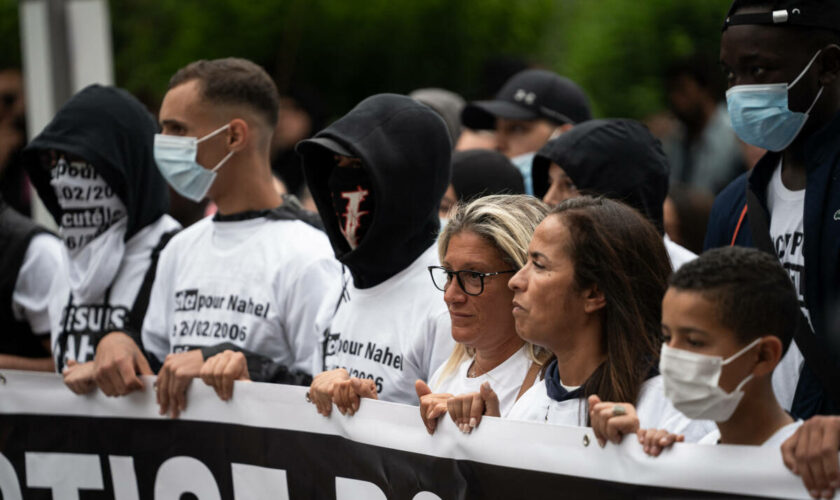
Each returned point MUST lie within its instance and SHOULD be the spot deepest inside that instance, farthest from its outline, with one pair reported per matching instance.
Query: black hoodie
(405, 150)
(113, 131)
(616, 158)
(482, 172)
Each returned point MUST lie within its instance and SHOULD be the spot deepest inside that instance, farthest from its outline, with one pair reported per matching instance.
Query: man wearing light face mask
(727, 319)
(93, 167)
(532, 107)
(782, 59)
(251, 278)
(377, 176)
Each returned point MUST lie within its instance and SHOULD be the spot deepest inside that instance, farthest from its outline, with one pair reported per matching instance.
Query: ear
(830, 70)
(594, 299)
(769, 355)
(238, 134)
(565, 127)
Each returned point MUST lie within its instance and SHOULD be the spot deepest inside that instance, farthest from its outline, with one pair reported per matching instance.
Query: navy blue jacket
(729, 224)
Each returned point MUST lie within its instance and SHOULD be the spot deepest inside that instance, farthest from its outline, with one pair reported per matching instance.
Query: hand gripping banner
(269, 443)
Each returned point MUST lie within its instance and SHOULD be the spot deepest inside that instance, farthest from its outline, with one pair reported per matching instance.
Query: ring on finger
(619, 410)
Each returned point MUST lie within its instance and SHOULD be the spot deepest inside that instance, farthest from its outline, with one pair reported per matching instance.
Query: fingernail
(602, 443)
(827, 493)
(815, 493)
(465, 428)
(835, 484)
(473, 421)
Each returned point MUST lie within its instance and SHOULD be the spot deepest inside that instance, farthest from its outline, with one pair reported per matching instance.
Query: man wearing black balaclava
(377, 176)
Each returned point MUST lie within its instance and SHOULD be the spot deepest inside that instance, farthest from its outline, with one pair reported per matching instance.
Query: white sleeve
(42, 264)
(303, 299)
(433, 347)
(155, 334)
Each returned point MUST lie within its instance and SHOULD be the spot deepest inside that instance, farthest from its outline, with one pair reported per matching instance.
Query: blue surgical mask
(523, 163)
(175, 156)
(760, 114)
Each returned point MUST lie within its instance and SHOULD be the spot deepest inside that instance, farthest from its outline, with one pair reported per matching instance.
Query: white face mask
(92, 227)
(691, 383)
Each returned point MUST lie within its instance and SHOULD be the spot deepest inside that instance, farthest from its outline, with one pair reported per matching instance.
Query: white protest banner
(269, 443)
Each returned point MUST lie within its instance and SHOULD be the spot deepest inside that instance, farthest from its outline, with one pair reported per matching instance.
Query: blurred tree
(10, 56)
(616, 49)
(346, 50)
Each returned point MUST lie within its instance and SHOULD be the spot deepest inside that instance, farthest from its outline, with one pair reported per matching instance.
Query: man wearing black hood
(377, 176)
(94, 169)
(616, 158)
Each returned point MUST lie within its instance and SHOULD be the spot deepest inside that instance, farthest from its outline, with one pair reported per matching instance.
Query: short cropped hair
(233, 80)
(752, 293)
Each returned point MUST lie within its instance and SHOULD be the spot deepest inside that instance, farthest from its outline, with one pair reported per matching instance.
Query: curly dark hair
(752, 293)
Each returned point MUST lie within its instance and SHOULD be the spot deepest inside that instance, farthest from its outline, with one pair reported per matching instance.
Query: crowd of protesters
(512, 257)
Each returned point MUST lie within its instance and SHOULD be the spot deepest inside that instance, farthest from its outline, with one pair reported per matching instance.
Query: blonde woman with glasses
(480, 249)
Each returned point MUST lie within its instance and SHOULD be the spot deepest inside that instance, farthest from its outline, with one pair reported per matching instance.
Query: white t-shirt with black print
(393, 333)
(257, 283)
(505, 380)
(787, 211)
(654, 410)
(76, 325)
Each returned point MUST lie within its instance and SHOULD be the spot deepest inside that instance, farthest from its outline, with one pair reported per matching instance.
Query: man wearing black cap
(532, 107)
(782, 61)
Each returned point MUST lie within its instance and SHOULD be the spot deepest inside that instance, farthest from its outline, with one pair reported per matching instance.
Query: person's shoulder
(189, 233)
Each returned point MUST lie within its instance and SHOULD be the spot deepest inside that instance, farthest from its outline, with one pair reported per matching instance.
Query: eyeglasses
(472, 282)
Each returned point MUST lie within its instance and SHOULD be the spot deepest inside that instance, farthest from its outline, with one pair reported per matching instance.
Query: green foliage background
(348, 49)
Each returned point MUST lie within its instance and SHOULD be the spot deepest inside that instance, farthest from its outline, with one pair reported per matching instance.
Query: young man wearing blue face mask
(782, 59)
(727, 319)
(532, 107)
(251, 277)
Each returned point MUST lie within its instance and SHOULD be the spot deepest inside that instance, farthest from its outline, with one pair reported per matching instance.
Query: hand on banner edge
(220, 372)
(432, 405)
(812, 454)
(79, 377)
(655, 441)
(321, 389)
(117, 363)
(174, 377)
(608, 424)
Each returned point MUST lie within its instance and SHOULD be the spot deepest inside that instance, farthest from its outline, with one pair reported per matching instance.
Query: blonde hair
(507, 222)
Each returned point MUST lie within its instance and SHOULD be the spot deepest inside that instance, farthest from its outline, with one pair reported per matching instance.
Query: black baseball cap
(531, 95)
(823, 14)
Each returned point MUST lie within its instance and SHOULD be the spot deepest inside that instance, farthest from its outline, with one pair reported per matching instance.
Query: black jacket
(405, 149)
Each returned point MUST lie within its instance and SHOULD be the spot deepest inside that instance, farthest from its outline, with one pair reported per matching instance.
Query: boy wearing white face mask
(727, 319)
